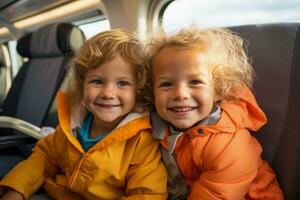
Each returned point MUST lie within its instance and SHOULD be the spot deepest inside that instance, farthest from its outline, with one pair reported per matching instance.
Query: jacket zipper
(76, 171)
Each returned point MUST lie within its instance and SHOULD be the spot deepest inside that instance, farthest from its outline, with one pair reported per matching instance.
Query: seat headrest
(52, 40)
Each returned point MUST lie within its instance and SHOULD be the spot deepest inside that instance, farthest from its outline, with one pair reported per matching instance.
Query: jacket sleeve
(146, 177)
(230, 163)
(29, 175)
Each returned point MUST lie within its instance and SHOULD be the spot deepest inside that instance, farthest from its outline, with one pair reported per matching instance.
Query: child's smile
(182, 87)
(107, 106)
(182, 110)
(109, 92)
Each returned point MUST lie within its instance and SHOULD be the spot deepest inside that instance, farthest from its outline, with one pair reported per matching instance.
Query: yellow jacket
(124, 165)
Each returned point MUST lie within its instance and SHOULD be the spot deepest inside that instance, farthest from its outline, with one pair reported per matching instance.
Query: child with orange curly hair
(199, 84)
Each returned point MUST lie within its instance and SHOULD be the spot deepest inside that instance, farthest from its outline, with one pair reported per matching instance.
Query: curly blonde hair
(100, 49)
(222, 50)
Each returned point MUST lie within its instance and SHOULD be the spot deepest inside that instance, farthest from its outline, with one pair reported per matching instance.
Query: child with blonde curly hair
(102, 147)
(199, 84)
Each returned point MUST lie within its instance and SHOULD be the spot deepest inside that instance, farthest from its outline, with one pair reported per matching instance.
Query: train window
(216, 13)
(16, 59)
(93, 28)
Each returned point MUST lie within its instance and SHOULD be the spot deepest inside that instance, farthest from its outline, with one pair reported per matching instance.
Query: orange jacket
(223, 161)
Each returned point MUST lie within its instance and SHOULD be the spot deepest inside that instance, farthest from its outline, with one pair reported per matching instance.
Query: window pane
(93, 28)
(16, 59)
(216, 13)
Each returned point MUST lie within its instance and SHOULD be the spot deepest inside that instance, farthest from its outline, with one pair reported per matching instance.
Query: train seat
(32, 95)
(274, 50)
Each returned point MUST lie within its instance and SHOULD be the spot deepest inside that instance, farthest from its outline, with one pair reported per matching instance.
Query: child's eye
(165, 84)
(123, 83)
(97, 82)
(195, 82)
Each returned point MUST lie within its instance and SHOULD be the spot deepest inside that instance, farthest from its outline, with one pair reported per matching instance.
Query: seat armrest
(21, 125)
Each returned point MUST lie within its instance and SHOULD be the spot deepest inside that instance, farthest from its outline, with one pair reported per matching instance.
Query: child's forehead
(177, 54)
(115, 65)
(178, 60)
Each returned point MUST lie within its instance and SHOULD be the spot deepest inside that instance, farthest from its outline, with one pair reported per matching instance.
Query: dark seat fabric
(32, 94)
(274, 50)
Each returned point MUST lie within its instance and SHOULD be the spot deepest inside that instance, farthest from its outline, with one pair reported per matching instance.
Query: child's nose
(108, 91)
(181, 92)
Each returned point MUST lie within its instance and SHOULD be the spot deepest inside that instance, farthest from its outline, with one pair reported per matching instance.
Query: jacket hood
(244, 111)
(241, 111)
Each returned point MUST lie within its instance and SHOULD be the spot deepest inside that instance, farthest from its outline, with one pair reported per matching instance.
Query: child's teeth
(182, 109)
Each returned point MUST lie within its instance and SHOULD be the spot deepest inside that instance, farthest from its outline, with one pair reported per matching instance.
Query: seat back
(274, 50)
(32, 94)
(34, 88)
